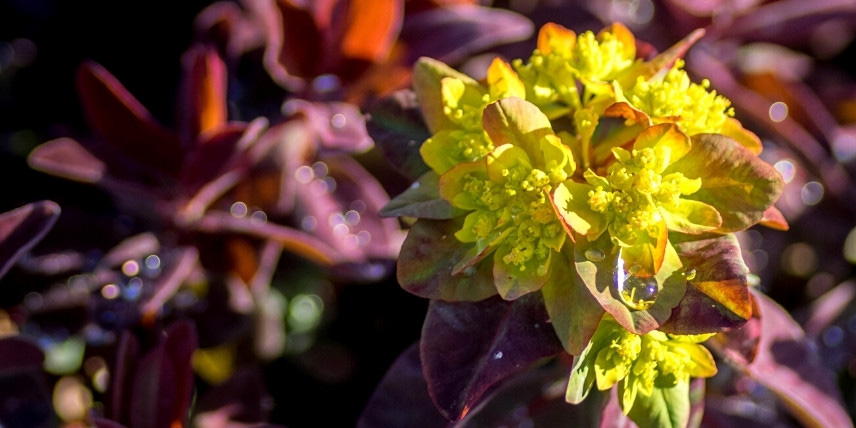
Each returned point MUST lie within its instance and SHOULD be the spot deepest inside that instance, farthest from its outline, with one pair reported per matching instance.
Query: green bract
(633, 250)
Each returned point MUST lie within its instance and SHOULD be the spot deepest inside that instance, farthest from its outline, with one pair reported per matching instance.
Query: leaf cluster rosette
(610, 185)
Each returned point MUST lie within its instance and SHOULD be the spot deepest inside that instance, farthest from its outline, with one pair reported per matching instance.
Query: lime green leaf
(506, 157)
(427, 76)
(692, 217)
(645, 257)
(665, 407)
(450, 147)
(519, 122)
(421, 199)
(733, 180)
(503, 81)
(571, 202)
(513, 281)
(451, 185)
(574, 312)
(427, 257)
(582, 376)
(666, 135)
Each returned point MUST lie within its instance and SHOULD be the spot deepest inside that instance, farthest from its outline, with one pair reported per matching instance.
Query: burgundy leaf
(450, 34)
(242, 398)
(66, 158)
(401, 398)
(106, 423)
(428, 256)
(164, 381)
(185, 261)
(397, 127)
(17, 353)
(121, 377)
(118, 117)
(788, 365)
(468, 347)
(22, 228)
(210, 155)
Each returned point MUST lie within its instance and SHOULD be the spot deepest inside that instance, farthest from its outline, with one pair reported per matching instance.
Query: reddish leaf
(789, 366)
(205, 93)
(372, 28)
(66, 158)
(401, 398)
(429, 254)
(468, 347)
(121, 377)
(22, 228)
(118, 117)
(185, 261)
(717, 297)
(774, 219)
(206, 160)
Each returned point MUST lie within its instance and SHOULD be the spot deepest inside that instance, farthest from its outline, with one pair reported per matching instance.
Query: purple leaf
(469, 347)
(209, 157)
(163, 384)
(22, 228)
(401, 399)
(122, 375)
(397, 127)
(17, 353)
(789, 366)
(450, 34)
(429, 255)
(66, 158)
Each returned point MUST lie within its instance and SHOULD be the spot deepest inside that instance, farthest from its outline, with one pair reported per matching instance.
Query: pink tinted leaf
(22, 228)
(66, 158)
(207, 159)
(788, 365)
(429, 255)
(774, 219)
(467, 347)
(121, 120)
(184, 262)
(451, 33)
(401, 398)
(135, 247)
(339, 126)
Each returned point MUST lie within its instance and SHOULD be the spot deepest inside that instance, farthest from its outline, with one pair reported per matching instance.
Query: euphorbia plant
(593, 190)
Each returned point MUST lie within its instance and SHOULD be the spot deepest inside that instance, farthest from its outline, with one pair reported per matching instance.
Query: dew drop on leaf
(690, 274)
(594, 255)
(636, 292)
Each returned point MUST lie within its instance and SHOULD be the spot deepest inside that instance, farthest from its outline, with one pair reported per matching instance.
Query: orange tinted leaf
(205, 87)
(372, 29)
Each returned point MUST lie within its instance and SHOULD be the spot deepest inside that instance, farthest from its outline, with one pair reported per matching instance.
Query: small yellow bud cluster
(695, 108)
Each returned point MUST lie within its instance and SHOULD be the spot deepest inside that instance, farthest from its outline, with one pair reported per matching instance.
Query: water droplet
(338, 121)
(133, 290)
(352, 218)
(320, 169)
(497, 355)
(636, 292)
(833, 336)
(304, 174)
(594, 255)
(309, 223)
(811, 193)
(131, 268)
(364, 237)
(110, 291)
(690, 274)
(258, 217)
(153, 262)
(238, 209)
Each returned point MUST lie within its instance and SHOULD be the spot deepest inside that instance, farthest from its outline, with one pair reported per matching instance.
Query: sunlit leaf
(574, 312)
(372, 28)
(205, 92)
(734, 180)
(468, 347)
(665, 407)
(717, 295)
(428, 74)
(428, 257)
(518, 122)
